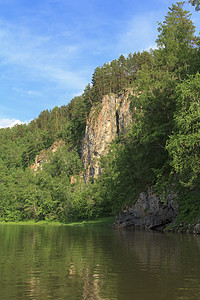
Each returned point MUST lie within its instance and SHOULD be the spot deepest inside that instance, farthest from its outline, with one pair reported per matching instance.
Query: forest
(161, 148)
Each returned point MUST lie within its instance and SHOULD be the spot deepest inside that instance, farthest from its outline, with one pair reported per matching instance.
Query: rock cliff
(149, 212)
(106, 121)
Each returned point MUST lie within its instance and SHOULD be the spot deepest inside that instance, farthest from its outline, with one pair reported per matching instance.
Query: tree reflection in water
(39, 262)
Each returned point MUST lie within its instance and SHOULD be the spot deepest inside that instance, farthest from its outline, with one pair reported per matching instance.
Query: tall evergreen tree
(176, 41)
(195, 3)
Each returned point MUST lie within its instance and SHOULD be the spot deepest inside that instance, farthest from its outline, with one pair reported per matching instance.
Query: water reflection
(38, 262)
(167, 265)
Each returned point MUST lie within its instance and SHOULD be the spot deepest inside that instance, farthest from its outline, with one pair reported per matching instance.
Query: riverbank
(107, 221)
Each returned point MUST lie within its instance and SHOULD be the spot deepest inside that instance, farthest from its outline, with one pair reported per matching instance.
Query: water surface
(61, 262)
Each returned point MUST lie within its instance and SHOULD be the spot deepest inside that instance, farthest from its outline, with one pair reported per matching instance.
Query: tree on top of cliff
(195, 3)
(176, 41)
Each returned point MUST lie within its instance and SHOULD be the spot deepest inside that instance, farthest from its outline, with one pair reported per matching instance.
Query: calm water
(38, 262)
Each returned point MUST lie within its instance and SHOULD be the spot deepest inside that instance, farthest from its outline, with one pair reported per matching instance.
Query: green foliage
(176, 41)
(161, 148)
(184, 145)
(195, 3)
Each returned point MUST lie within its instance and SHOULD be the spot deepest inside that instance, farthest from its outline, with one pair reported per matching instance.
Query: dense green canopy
(161, 149)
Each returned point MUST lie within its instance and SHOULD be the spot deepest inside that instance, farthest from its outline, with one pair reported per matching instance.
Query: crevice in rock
(117, 122)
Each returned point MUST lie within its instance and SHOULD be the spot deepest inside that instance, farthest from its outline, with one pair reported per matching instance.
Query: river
(97, 263)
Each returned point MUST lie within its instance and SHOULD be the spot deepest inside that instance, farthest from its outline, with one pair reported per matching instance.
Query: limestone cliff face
(106, 121)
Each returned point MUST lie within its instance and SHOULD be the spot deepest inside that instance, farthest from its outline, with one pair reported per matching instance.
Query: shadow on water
(41, 262)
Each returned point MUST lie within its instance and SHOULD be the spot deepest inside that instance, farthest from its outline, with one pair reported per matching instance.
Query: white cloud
(78, 93)
(153, 47)
(139, 33)
(4, 123)
(40, 56)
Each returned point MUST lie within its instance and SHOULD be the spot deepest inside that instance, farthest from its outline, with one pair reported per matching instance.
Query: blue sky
(50, 48)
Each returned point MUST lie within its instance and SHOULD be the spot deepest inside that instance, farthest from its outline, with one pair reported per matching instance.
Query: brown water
(61, 262)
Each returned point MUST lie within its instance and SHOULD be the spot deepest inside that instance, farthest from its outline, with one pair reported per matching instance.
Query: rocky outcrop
(197, 228)
(44, 155)
(106, 121)
(150, 212)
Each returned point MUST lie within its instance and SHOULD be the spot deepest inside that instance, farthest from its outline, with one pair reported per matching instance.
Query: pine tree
(195, 3)
(176, 41)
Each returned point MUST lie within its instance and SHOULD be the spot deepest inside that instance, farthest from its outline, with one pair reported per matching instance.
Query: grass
(30, 222)
(107, 221)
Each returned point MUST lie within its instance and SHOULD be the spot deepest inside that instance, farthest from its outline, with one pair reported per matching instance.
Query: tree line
(161, 149)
